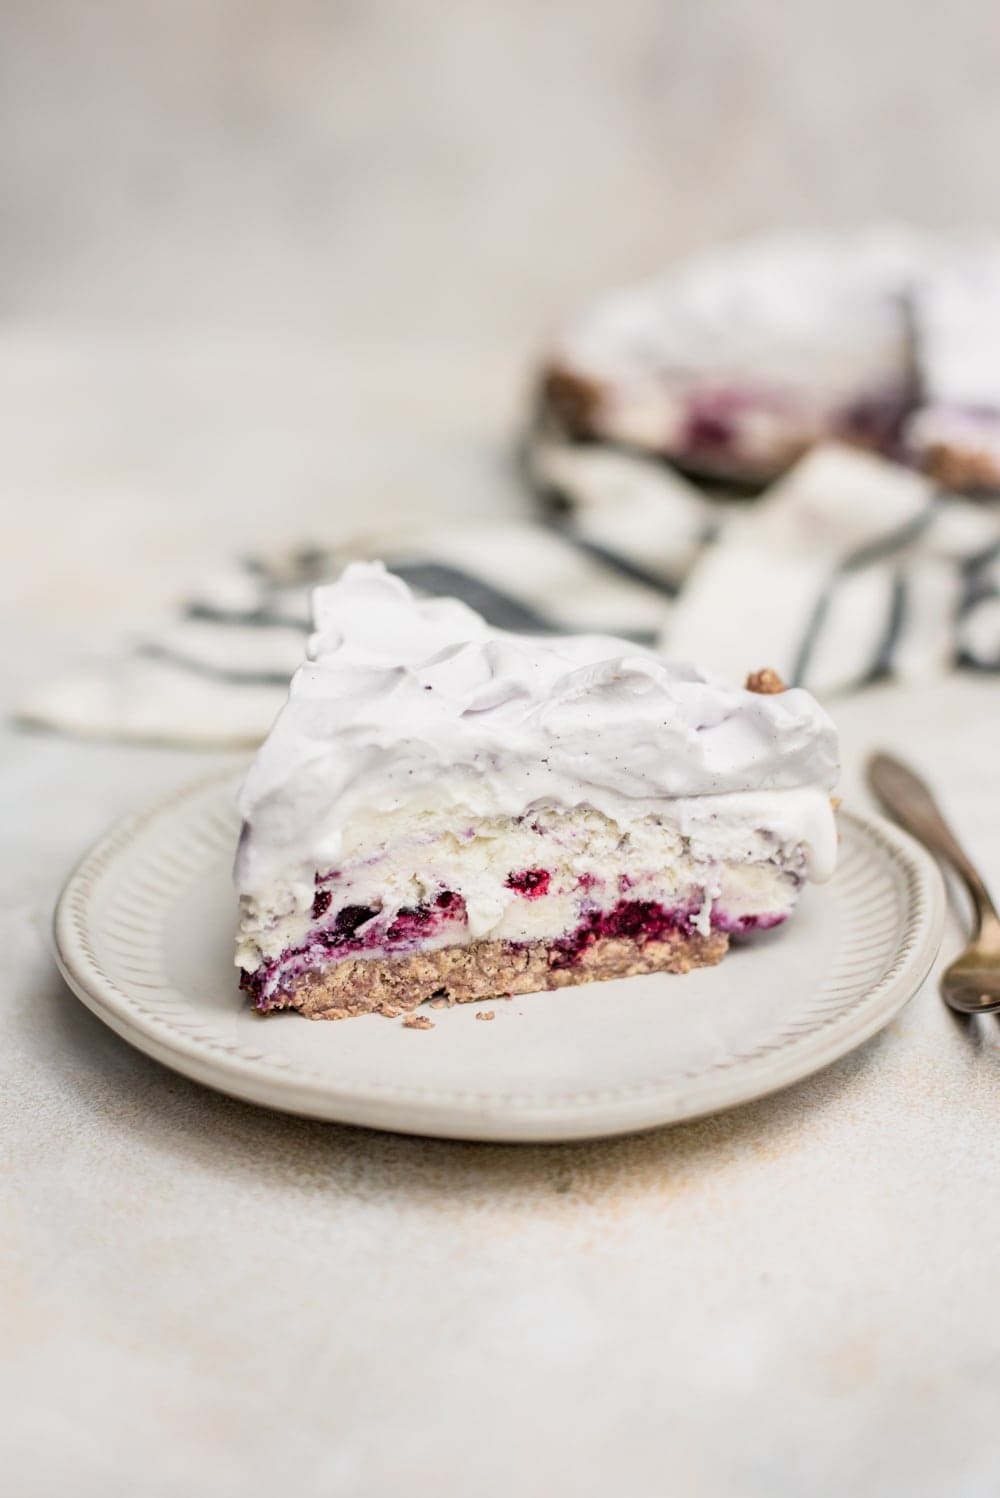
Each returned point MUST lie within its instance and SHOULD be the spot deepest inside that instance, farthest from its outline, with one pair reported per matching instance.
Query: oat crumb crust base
(462, 974)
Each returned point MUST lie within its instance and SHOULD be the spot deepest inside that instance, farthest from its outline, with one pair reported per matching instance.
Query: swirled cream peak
(408, 706)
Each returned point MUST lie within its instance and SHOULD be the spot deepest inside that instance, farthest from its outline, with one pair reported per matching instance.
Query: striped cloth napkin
(848, 570)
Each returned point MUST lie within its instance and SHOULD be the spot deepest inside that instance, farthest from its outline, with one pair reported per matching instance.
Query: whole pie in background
(736, 364)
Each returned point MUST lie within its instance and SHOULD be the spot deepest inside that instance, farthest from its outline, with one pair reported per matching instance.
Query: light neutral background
(459, 168)
(245, 242)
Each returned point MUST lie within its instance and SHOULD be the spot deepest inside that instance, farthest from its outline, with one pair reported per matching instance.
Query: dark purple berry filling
(531, 883)
(876, 420)
(714, 418)
(349, 918)
(405, 932)
(709, 430)
(636, 920)
(742, 925)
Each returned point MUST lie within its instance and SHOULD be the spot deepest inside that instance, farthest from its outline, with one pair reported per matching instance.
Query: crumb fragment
(766, 682)
(391, 1011)
(836, 802)
(486, 1014)
(440, 1003)
(418, 1022)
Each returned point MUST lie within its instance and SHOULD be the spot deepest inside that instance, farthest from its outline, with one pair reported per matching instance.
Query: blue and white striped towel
(850, 569)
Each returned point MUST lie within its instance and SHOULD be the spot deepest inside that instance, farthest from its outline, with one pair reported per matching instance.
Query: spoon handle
(906, 797)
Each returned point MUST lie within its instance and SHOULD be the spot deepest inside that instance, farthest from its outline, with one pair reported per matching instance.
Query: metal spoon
(972, 983)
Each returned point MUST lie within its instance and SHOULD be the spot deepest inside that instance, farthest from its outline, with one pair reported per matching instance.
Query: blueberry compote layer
(359, 930)
(646, 920)
(356, 930)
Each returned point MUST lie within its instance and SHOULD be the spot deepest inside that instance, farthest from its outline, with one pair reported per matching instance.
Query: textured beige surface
(201, 1297)
(198, 1296)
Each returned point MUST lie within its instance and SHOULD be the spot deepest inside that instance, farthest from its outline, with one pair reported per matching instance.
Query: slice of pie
(736, 365)
(444, 811)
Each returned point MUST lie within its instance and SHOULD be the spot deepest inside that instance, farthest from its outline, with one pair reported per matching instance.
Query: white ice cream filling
(736, 856)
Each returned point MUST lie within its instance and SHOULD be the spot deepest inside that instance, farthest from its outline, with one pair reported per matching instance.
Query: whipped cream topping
(803, 312)
(821, 317)
(420, 708)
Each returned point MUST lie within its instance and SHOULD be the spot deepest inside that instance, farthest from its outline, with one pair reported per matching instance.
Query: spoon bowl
(971, 985)
(972, 982)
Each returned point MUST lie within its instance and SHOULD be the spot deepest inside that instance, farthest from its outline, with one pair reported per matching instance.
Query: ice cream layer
(728, 863)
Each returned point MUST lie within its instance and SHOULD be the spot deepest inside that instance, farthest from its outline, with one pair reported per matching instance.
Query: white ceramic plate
(144, 932)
